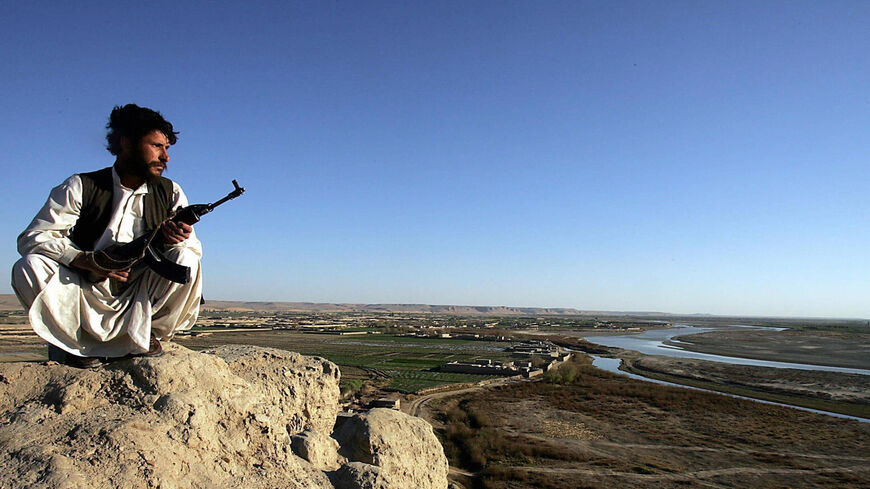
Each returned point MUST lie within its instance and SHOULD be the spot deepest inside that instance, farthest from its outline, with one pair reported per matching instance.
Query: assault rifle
(147, 247)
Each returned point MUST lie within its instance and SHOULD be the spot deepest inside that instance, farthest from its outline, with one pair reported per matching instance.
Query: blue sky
(686, 157)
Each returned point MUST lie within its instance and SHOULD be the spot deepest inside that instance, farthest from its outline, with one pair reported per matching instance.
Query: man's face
(150, 156)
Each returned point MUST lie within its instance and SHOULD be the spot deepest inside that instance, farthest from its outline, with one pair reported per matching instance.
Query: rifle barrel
(232, 195)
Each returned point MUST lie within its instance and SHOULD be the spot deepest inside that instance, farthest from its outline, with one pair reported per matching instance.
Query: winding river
(652, 342)
(612, 365)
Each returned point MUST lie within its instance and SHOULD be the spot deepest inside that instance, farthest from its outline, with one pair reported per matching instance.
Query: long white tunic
(85, 318)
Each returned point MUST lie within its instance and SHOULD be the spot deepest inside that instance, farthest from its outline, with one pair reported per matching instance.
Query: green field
(401, 363)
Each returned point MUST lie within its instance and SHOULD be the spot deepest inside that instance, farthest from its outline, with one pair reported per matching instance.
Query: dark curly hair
(133, 122)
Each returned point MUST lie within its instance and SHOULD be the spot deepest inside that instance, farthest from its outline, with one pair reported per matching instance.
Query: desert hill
(236, 416)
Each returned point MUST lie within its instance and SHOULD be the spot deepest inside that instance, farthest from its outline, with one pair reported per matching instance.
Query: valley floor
(585, 428)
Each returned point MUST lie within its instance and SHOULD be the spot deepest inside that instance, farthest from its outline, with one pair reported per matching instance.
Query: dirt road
(415, 406)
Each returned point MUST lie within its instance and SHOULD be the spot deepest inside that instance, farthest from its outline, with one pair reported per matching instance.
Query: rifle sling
(165, 267)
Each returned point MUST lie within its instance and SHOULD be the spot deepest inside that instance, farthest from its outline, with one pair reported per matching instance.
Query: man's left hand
(175, 232)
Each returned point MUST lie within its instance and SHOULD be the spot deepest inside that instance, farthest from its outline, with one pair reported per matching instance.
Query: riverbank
(833, 348)
(581, 427)
(826, 391)
(813, 369)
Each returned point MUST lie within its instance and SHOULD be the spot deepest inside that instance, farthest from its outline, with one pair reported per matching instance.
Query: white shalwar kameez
(85, 318)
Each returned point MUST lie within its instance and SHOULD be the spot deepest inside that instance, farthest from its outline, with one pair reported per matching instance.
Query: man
(82, 311)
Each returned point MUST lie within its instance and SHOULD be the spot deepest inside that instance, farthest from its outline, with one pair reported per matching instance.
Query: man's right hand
(82, 262)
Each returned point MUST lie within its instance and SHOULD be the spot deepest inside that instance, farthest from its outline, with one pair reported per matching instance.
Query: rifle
(146, 248)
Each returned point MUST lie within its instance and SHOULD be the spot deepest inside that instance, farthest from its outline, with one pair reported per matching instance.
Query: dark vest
(97, 206)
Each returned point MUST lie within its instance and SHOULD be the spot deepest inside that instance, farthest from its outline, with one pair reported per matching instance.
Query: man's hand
(175, 232)
(82, 262)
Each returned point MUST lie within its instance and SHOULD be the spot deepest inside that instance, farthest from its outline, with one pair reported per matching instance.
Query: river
(652, 342)
(612, 365)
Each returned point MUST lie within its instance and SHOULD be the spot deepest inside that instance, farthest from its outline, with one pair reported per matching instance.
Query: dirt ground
(605, 431)
(829, 391)
(836, 348)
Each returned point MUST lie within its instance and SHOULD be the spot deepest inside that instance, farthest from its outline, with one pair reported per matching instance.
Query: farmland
(403, 364)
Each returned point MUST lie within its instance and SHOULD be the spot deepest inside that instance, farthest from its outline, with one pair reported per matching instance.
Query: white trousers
(87, 319)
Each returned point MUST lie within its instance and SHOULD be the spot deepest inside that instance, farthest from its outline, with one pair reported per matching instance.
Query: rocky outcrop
(319, 449)
(233, 417)
(390, 449)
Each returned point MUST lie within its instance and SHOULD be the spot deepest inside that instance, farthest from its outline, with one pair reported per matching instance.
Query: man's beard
(142, 168)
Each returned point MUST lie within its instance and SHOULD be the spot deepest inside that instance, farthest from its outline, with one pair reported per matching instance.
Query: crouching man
(82, 311)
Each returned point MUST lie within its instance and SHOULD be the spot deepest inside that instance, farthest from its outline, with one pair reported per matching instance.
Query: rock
(301, 391)
(403, 448)
(357, 475)
(318, 449)
(227, 418)
(182, 420)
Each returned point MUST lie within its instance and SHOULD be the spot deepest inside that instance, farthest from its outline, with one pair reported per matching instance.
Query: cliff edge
(232, 417)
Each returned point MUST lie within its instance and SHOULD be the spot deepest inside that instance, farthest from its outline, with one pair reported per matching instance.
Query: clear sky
(679, 156)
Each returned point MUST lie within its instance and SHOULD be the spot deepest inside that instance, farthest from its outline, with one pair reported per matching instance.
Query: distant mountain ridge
(403, 308)
(10, 302)
(387, 308)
